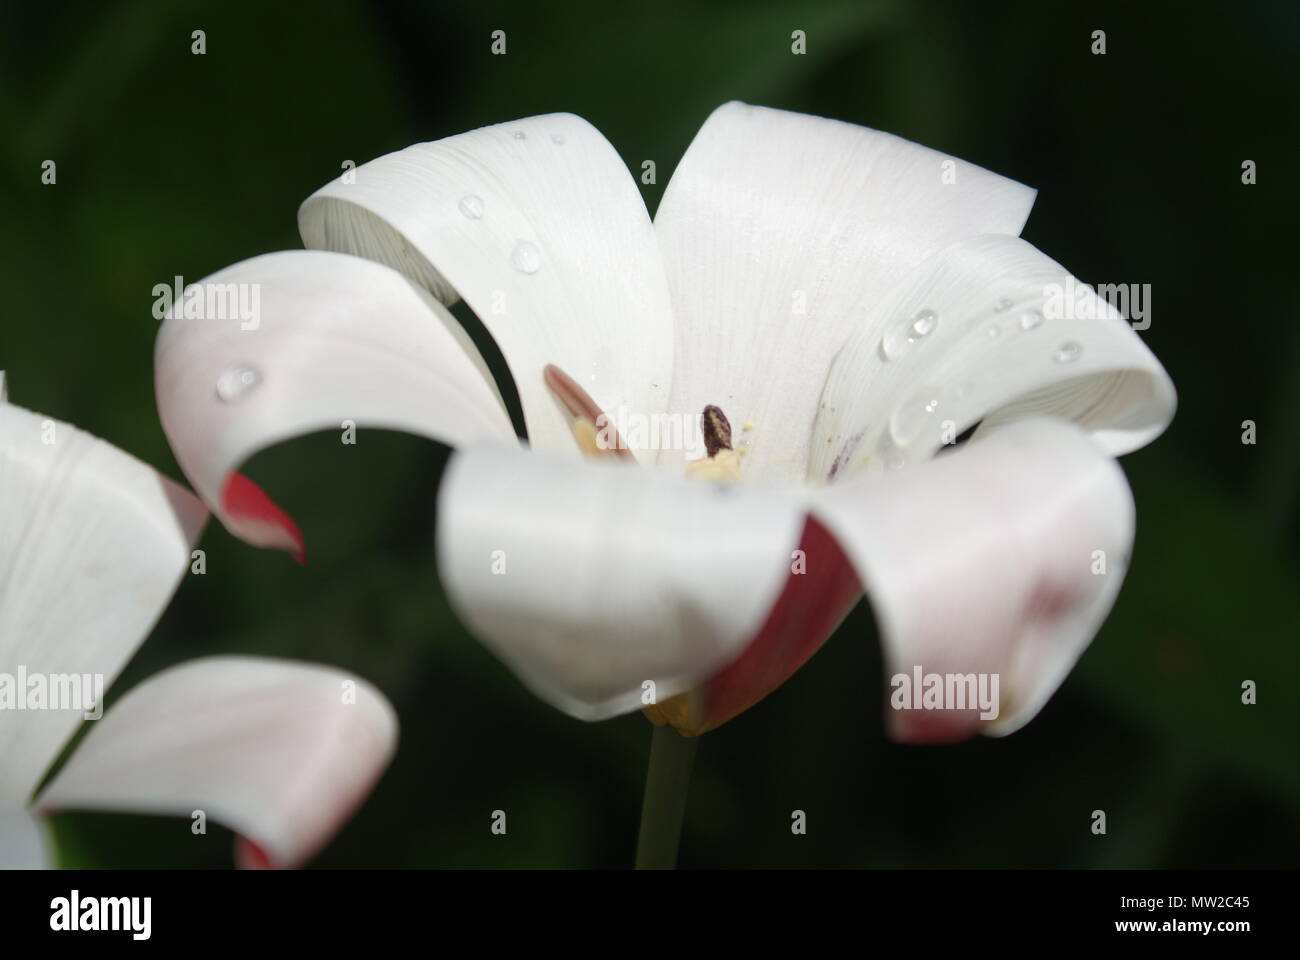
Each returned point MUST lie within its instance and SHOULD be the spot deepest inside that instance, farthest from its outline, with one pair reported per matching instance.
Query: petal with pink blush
(258, 519)
(335, 340)
(985, 562)
(283, 753)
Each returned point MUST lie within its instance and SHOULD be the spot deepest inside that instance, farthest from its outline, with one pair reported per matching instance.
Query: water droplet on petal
(471, 205)
(526, 258)
(557, 139)
(234, 383)
(1068, 352)
(923, 323)
(894, 460)
(519, 135)
(1030, 319)
(908, 331)
(1003, 305)
(994, 332)
(911, 417)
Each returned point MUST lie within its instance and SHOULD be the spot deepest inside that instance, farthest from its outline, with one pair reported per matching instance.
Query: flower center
(597, 436)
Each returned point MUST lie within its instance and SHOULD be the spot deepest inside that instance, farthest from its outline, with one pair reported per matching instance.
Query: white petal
(92, 544)
(23, 844)
(270, 748)
(539, 227)
(590, 579)
(994, 350)
(985, 561)
(334, 338)
(779, 233)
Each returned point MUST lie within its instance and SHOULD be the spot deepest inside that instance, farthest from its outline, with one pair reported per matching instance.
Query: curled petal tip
(257, 519)
(925, 728)
(250, 856)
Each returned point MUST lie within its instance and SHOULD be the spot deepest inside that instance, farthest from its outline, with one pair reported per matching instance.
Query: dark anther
(717, 430)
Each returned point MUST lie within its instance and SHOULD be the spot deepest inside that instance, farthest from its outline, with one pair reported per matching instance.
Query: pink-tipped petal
(296, 342)
(998, 561)
(249, 856)
(281, 752)
(258, 519)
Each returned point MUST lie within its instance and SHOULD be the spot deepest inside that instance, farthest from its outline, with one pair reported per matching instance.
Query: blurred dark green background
(170, 163)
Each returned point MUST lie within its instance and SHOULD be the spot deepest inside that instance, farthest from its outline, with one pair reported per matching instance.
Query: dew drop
(993, 332)
(923, 323)
(557, 139)
(236, 382)
(894, 460)
(471, 205)
(1068, 352)
(1030, 319)
(911, 417)
(1003, 305)
(907, 332)
(526, 258)
(519, 135)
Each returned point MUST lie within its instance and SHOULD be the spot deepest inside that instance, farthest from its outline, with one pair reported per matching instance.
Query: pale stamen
(594, 431)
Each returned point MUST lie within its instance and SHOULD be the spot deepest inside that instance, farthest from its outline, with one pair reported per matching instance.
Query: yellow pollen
(722, 467)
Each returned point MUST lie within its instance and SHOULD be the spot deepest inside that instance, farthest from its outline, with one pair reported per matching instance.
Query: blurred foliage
(170, 163)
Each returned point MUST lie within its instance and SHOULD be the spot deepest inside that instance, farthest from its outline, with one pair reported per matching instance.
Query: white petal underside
(987, 560)
(538, 225)
(590, 579)
(270, 748)
(23, 845)
(336, 338)
(780, 232)
(992, 348)
(92, 544)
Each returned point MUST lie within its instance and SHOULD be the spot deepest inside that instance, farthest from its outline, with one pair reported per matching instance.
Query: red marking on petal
(811, 605)
(260, 521)
(931, 727)
(1049, 602)
(249, 856)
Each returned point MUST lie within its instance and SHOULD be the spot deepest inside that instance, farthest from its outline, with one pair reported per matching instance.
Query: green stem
(667, 780)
